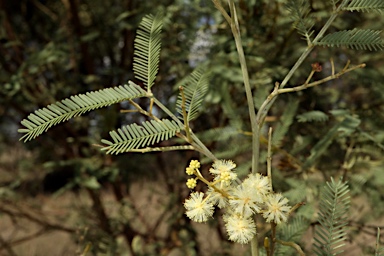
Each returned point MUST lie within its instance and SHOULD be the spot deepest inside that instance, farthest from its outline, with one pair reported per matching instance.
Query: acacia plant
(242, 202)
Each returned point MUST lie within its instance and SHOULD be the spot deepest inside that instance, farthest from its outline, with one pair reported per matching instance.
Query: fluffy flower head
(223, 169)
(259, 183)
(217, 198)
(245, 201)
(240, 230)
(198, 209)
(277, 208)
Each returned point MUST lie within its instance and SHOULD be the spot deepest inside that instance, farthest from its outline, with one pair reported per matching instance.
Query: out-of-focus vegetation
(132, 204)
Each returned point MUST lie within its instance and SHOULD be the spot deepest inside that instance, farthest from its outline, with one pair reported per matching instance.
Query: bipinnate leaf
(43, 119)
(147, 49)
(194, 87)
(312, 116)
(365, 6)
(293, 232)
(135, 136)
(333, 218)
(359, 39)
(218, 134)
(300, 10)
(345, 127)
(334, 3)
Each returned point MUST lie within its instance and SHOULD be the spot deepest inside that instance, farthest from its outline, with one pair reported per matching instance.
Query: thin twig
(185, 116)
(296, 206)
(142, 111)
(129, 111)
(347, 65)
(222, 10)
(329, 78)
(310, 76)
(332, 66)
(273, 244)
(377, 247)
(293, 245)
(151, 107)
(162, 149)
(269, 157)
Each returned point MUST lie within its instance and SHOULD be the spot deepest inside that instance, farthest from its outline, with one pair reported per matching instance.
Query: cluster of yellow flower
(240, 199)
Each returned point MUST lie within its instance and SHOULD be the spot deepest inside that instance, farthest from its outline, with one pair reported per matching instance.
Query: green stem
(197, 144)
(162, 149)
(269, 157)
(185, 116)
(254, 246)
(273, 238)
(293, 245)
(248, 91)
(234, 23)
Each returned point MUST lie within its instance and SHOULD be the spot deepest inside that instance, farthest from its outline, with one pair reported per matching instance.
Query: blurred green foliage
(53, 49)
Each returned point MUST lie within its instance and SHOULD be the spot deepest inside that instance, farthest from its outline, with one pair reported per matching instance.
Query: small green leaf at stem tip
(107, 142)
(22, 130)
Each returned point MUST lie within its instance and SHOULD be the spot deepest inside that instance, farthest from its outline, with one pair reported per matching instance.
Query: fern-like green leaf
(358, 39)
(195, 87)
(334, 207)
(365, 6)
(312, 116)
(344, 128)
(334, 3)
(147, 49)
(377, 142)
(134, 136)
(299, 10)
(298, 190)
(218, 134)
(292, 232)
(43, 119)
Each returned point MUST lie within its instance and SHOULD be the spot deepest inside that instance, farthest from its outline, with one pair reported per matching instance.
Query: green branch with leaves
(243, 200)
